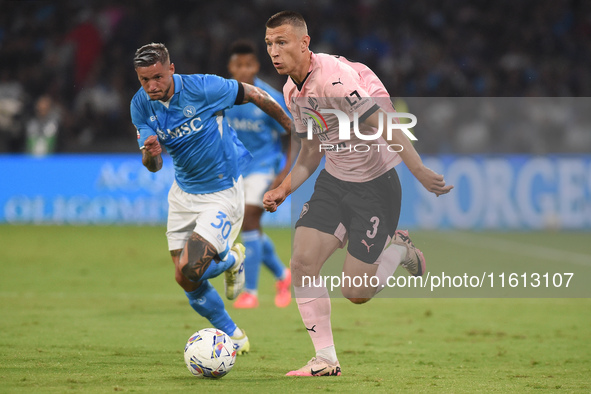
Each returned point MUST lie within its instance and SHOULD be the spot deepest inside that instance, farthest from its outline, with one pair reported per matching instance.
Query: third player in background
(263, 137)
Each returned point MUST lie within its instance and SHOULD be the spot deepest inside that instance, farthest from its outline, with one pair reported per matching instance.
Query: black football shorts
(366, 213)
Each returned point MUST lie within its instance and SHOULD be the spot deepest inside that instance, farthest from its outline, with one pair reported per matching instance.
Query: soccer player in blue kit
(185, 114)
(262, 136)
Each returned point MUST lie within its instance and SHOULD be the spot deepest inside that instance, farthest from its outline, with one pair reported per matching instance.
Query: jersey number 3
(375, 222)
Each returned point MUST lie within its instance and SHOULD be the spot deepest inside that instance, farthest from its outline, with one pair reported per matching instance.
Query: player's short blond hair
(292, 18)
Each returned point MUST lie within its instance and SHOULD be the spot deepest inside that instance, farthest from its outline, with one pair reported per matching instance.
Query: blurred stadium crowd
(66, 75)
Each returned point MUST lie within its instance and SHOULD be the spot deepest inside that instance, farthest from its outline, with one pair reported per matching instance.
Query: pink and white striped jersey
(337, 83)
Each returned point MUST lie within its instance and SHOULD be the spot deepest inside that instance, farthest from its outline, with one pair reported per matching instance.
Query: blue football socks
(252, 262)
(207, 302)
(270, 258)
(217, 267)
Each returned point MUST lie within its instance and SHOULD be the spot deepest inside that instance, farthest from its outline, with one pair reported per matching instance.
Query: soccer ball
(209, 353)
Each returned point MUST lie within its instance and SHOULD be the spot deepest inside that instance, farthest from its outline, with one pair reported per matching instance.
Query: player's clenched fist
(152, 146)
(272, 199)
(432, 181)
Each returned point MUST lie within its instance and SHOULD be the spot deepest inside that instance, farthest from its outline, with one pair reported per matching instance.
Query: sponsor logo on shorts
(304, 210)
(366, 245)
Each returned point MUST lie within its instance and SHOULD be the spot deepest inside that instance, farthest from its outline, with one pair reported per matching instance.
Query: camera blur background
(71, 61)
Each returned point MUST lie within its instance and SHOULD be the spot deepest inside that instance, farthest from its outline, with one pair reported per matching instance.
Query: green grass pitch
(96, 309)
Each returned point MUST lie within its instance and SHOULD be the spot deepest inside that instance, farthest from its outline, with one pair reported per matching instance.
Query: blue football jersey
(259, 132)
(206, 153)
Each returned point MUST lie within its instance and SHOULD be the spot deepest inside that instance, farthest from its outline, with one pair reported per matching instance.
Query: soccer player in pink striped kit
(356, 197)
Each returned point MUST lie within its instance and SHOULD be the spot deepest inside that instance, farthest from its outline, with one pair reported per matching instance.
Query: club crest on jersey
(189, 111)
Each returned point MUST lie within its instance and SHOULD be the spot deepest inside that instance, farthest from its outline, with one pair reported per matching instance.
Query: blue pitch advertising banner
(501, 192)
(83, 189)
(89, 189)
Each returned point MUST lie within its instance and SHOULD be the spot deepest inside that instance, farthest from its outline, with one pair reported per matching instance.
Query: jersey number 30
(223, 224)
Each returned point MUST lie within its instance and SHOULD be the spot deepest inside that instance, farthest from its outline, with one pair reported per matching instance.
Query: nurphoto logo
(389, 122)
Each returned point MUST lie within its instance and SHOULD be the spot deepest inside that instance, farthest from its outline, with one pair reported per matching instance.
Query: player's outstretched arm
(152, 154)
(305, 165)
(264, 101)
(430, 180)
(292, 147)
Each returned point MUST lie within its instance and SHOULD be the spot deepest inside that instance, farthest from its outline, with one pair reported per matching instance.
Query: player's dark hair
(243, 47)
(286, 18)
(151, 54)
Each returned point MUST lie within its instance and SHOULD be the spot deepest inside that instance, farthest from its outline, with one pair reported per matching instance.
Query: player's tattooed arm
(264, 101)
(200, 253)
(152, 163)
(151, 154)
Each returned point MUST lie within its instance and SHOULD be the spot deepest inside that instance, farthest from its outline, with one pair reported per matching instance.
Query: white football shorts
(255, 187)
(217, 217)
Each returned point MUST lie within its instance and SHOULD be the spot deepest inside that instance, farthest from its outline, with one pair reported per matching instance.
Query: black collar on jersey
(301, 85)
